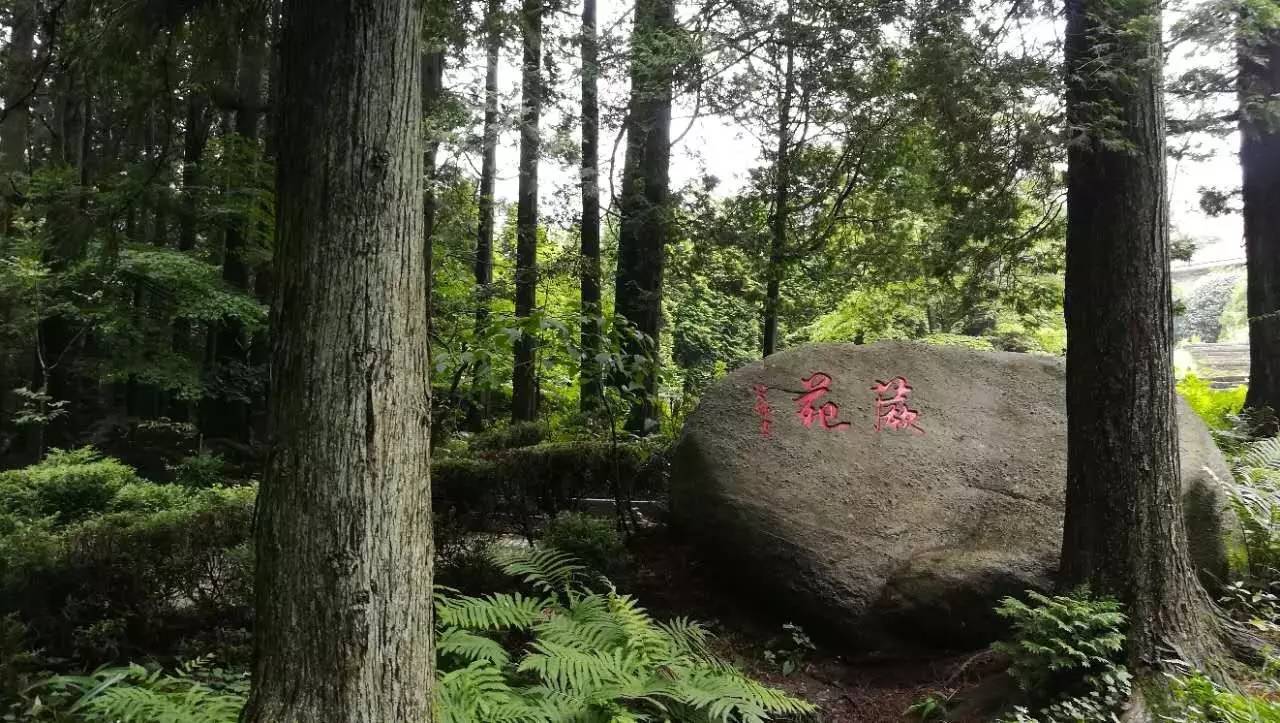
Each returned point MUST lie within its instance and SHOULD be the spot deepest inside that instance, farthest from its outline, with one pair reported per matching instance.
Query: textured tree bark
(590, 383)
(781, 198)
(524, 393)
(1259, 81)
(644, 205)
(1124, 533)
(343, 629)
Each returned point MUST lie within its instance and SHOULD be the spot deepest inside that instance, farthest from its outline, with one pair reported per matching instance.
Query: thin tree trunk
(343, 533)
(195, 139)
(644, 203)
(1124, 532)
(781, 196)
(1259, 81)
(524, 396)
(15, 129)
(229, 417)
(432, 92)
(488, 173)
(590, 381)
(15, 135)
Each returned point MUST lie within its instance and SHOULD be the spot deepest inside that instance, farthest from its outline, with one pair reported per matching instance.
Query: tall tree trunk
(15, 129)
(344, 619)
(524, 395)
(644, 203)
(432, 94)
(488, 173)
(195, 139)
(15, 135)
(1259, 82)
(590, 381)
(227, 416)
(781, 195)
(1124, 532)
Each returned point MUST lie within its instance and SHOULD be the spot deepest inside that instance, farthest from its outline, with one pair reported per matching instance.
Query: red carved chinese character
(816, 386)
(762, 408)
(891, 405)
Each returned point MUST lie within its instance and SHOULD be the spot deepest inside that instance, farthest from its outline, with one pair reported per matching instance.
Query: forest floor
(849, 686)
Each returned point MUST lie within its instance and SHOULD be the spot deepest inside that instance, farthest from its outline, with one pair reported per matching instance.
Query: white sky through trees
(716, 146)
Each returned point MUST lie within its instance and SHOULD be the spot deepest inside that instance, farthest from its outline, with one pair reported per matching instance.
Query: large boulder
(888, 511)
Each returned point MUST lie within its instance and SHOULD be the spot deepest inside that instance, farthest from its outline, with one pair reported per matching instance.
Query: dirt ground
(849, 686)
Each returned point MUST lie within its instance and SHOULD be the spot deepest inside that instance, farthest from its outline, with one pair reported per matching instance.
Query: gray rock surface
(899, 534)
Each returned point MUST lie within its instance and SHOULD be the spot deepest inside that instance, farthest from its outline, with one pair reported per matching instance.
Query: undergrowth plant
(563, 653)
(1066, 654)
(1254, 491)
(591, 656)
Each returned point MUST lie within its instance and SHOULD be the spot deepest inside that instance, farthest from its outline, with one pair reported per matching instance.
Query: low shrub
(565, 652)
(504, 489)
(135, 567)
(511, 436)
(1217, 407)
(66, 486)
(202, 470)
(593, 540)
(1066, 654)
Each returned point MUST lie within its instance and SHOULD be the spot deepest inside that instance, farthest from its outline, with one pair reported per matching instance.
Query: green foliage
(567, 654)
(65, 485)
(1234, 323)
(789, 652)
(591, 656)
(1194, 698)
(1216, 407)
(593, 540)
(201, 470)
(929, 708)
(1066, 655)
(961, 340)
(515, 483)
(510, 436)
(1254, 491)
(99, 562)
(195, 693)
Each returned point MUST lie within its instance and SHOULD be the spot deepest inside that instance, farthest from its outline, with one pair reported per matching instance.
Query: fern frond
(470, 647)
(548, 570)
(498, 611)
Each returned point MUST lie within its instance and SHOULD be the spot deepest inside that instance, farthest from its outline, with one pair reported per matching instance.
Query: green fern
(594, 657)
(135, 694)
(577, 656)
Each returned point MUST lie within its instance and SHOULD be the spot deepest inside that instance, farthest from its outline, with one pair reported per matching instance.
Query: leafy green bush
(65, 485)
(1216, 407)
(546, 478)
(202, 470)
(593, 540)
(968, 342)
(511, 436)
(1066, 655)
(161, 561)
